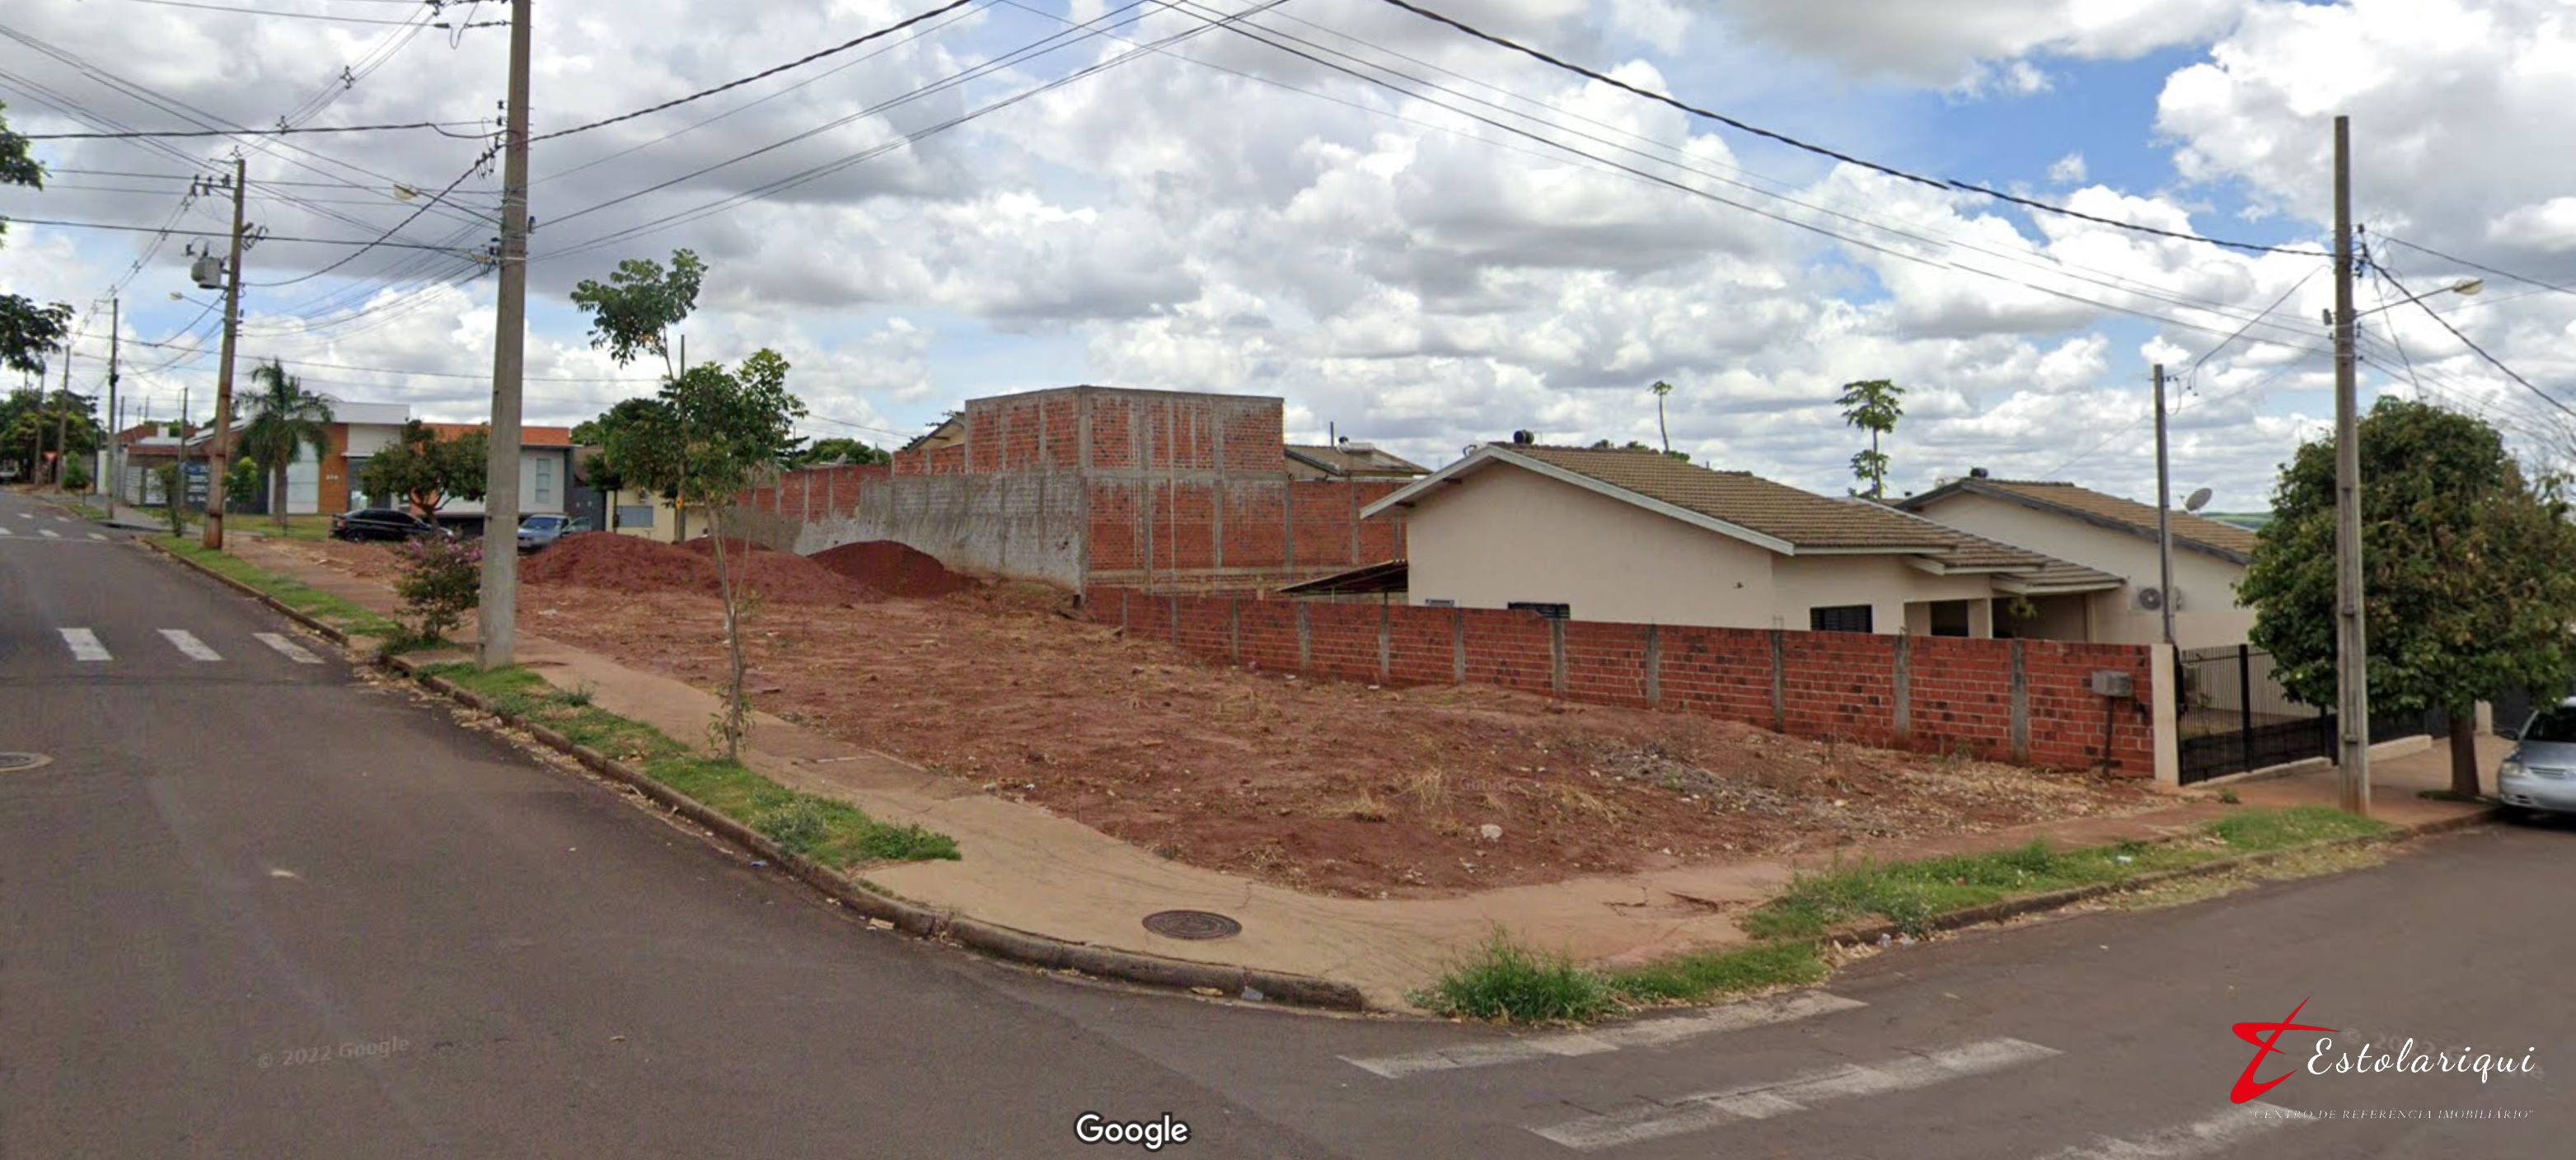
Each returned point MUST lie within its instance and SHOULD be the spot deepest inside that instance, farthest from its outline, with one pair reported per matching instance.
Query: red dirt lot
(1325, 786)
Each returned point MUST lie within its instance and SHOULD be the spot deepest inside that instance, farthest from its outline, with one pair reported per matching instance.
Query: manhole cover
(1192, 924)
(13, 762)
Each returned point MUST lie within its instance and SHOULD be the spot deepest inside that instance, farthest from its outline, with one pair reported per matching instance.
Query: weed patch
(1695, 977)
(1504, 980)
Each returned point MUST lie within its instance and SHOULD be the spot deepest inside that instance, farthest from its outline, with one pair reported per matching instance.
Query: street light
(2465, 288)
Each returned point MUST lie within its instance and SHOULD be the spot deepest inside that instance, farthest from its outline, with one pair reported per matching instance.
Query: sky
(1412, 236)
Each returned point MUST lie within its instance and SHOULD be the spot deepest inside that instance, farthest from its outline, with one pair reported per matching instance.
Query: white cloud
(1947, 45)
(2067, 170)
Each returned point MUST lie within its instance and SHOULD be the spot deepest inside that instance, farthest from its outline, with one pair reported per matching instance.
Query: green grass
(1709, 974)
(1912, 894)
(834, 833)
(1503, 980)
(295, 594)
(304, 527)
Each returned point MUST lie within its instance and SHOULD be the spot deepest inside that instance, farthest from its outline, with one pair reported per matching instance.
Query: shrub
(174, 494)
(440, 580)
(1503, 980)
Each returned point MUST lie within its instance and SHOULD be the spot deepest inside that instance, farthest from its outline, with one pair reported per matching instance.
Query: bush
(440, 580)
(174, 494)
(1503, 980)
(76, 474)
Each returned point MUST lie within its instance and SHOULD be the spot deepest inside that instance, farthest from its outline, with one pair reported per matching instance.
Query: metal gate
(2234, 716)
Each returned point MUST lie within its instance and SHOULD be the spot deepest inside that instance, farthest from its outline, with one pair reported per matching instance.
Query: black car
(382, 524)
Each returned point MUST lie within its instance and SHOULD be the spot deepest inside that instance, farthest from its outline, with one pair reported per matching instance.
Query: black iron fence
(2234, 716)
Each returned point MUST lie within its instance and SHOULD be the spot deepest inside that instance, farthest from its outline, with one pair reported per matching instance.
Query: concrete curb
(2011, 908)
(912, 918)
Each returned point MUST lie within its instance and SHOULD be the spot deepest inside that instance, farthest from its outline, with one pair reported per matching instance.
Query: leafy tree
(27, 330)
(633, 312)
(1639, 445)
(241, 482)
(429, 471)
(712, 433)
(35, 426)
(1661, 389)
(826, 452)
(1873, 405)
(2466, 584)
(283, 417)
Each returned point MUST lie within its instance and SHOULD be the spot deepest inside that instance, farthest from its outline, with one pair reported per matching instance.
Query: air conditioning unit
(2149, 598)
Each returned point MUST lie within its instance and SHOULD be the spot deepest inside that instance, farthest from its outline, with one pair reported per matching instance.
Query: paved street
(258, 906)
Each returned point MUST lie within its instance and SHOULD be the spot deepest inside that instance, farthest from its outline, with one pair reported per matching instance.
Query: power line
(807, 59)
(2475, 266)
(264, 237)
(382, 238)
(1793, 142)
(440, 126)
(2545, 396)
(268, 12)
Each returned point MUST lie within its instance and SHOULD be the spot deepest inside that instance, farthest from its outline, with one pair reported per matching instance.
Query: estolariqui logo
(2370, 1057)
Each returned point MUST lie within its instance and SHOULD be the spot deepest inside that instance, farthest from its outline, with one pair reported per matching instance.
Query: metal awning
(1392, 576)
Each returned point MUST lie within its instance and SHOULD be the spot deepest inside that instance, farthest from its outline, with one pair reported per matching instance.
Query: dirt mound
(893, 569)
(634, 564)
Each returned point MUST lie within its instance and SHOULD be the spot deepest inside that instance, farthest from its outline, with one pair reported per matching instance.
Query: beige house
(1598, 534)
(2116, 536)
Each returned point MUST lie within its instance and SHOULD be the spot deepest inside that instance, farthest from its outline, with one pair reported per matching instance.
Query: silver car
(2540, 773)
(539, 531)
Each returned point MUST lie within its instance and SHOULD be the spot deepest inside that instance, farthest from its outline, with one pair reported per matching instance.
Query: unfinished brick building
(1077, 486)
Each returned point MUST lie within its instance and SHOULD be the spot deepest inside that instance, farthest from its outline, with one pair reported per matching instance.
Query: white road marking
(188, 643)
(98, 535)
(293, 651)
(26, 515)
(49, 533)
(1696, 1113)
(84, 645)
(282, 872)
(2227, 1128)
(5, 532)
(62, 519)
(1650, 1033)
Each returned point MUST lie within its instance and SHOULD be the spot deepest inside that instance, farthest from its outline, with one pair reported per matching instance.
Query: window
(635, 515)
(1543, 608)
(545, 481)
(1840, 618)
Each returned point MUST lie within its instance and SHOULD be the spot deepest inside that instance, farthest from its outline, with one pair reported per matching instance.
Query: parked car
(383, 524)
(2540, 773)
(538, 531)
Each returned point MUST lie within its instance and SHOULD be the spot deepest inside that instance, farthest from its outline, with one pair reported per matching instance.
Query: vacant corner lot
(1325, 786)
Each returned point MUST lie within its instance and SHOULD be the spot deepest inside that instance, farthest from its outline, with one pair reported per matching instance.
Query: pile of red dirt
(893, 569)
(634, 564)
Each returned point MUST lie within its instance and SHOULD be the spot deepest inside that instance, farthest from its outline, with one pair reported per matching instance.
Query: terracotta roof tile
(2142, 517)
(1802, 518)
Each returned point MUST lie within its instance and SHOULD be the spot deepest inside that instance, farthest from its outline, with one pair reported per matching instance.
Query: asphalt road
(257, 906)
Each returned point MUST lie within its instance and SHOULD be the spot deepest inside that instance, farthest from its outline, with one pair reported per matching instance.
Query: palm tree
(282, 418)
(1661, 389)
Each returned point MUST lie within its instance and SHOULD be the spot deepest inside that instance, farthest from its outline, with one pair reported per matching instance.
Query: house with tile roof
(1623, 535)
(2116, 536)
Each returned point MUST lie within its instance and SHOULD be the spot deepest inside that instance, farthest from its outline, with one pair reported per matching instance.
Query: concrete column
(1458, 645)
(1234, 629)
(1556, 655)
(1779, 683)
(1305, 641)
(2160, 701)
(2020, 703)
(1654, 667)
(1385, 643)
(1902, 712)
(1981, 619)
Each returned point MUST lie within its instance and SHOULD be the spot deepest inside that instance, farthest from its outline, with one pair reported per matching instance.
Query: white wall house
(1635, 536)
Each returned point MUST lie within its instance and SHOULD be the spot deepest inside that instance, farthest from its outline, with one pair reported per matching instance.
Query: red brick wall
(1958, 692)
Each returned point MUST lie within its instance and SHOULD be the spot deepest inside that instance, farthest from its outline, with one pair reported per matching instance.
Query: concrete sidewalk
(1032, 870)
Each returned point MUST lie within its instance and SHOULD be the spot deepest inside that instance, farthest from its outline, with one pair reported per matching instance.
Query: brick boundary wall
(2023, 701)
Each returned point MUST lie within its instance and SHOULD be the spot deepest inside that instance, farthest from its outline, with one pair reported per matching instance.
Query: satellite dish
(2196, 500)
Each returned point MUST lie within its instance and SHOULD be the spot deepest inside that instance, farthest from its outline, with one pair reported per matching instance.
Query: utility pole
(108, 467)
(2164, 514)
(2352, 658)
(62, 423)
(497, 617)
(219, 449)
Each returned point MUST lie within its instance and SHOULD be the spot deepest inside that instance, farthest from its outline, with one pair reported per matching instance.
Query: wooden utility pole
(2164, 515)
(2352, 657)
(497, 615)
(219, 448)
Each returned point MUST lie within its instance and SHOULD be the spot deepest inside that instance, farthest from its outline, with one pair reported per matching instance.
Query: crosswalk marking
(98, 535)
(84, 645)
(188, 643)
(2226, 1128)
(4, 531)
(1650, 1033)
(1707, 1110)
(293, 651)
(49, 533)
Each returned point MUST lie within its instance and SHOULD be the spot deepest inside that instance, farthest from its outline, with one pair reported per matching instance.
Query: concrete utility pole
(107, 477)
(62, 424)
(2352, 657)
(497, 614)
(2164, 514)
(219, 448)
